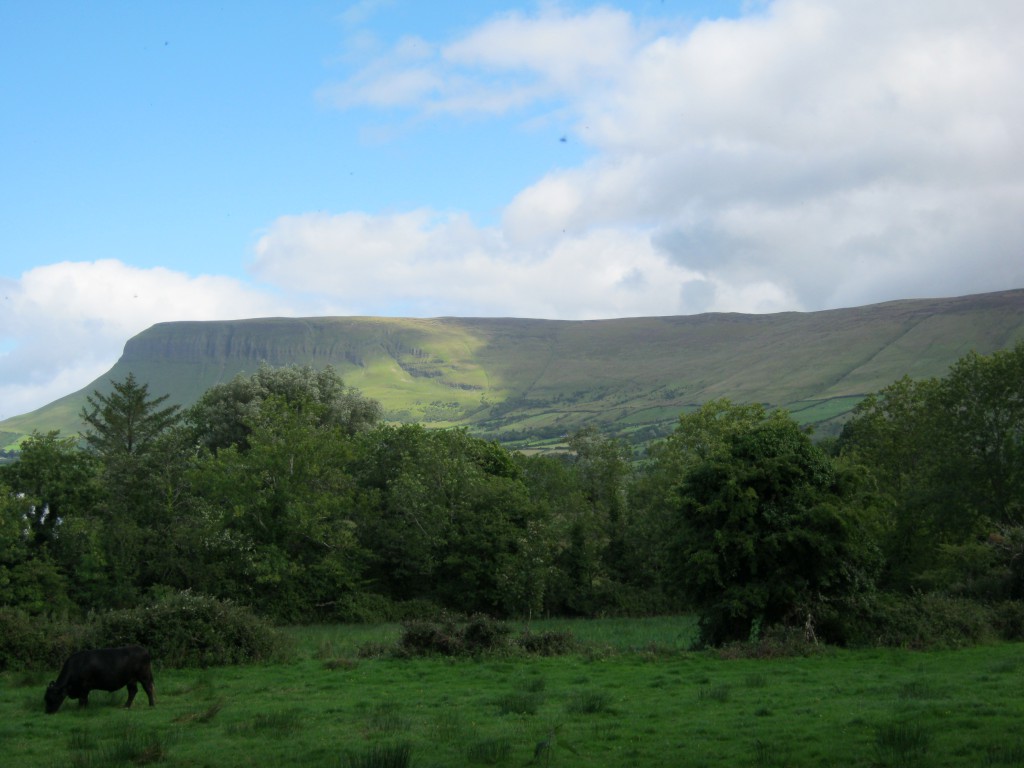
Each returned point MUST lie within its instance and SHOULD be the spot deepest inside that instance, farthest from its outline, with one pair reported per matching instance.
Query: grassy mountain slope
(531, 380)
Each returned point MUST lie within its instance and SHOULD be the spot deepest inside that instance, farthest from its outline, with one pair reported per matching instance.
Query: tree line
(285, 491)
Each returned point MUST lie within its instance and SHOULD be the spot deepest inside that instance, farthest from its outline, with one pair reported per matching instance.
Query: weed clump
(588, 703)
(901, 744)
(489, 751)
(381, 756)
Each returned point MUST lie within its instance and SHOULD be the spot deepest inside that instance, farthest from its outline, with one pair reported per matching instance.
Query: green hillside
(529, 381)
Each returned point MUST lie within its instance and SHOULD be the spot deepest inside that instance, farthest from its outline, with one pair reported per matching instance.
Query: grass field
(632, 697)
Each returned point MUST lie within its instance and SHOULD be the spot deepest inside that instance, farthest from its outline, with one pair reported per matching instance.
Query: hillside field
(528, 383)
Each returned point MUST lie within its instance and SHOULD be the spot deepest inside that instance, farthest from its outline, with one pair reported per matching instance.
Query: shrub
(1008, 619)
(478, 635)
(34, 642)
(185, 629)
(918, 621)
(779, 641)
(547, 643)
(425, 638)
(482, 634)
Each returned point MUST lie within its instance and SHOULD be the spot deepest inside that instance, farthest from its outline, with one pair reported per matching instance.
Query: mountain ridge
(531, 380)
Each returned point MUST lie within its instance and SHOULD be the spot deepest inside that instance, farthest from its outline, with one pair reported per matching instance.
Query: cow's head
(53, 697)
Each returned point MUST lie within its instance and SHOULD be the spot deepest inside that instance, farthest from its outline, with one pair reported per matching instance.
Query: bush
(478, 635)
(1008, 619)
(547, 643)
(34, 642)
(777, 642)
(482, 634)
(919, 621)
(184, 629)
(426, 638)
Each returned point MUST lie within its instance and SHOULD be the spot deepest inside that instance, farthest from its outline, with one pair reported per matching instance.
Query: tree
(447, 517)
(55, 488)
(981, 405)
(764, 534)
(128, 420)
(58, 480)
(283, 539)
(894, 434)
(126, 431)
(223, 416)
(948, 457)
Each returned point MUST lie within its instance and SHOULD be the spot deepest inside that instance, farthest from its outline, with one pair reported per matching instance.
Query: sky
(199, 160)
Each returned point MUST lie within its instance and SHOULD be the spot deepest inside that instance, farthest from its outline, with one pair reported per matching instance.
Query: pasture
(633, 696)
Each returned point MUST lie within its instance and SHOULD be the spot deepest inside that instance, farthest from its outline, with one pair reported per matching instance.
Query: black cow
(105, 669)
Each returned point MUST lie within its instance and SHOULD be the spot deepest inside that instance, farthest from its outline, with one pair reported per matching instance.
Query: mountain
(530, 381)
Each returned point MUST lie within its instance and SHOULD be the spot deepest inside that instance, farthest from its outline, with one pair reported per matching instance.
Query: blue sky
(198, 160)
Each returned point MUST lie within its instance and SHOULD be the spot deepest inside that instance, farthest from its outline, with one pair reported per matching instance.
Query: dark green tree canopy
(764, 535)
(56, 478)
(225, 414)
(127, 421)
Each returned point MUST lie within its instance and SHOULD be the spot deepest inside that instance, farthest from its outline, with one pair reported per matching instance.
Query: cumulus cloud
(808, 155)
(71, 321)
(507, 64)
(424, 263)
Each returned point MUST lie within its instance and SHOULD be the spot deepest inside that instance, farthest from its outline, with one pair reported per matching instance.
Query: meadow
(632, 696)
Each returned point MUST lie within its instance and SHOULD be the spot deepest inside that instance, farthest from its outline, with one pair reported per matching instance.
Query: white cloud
(812, 154)
(507, 64)
(71, 320)
(430, 264)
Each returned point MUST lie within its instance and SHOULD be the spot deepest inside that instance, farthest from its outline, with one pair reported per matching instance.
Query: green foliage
(226, 414)
(764, 533)
(448, 517)
(947, 455)
(35, 642)
(282, 493)
(548, 643)
(127, 421)
(283, 508)
(479, 635)
(55, 479)
(921, 620)
(187, 630)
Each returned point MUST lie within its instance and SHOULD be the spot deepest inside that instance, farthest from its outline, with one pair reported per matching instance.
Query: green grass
(619, 702)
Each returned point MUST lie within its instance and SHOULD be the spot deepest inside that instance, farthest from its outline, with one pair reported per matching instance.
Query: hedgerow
(181, 629)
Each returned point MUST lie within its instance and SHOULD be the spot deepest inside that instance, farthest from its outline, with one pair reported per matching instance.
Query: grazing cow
(105, 669)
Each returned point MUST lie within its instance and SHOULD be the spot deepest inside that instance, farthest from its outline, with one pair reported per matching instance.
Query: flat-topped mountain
(520, 379)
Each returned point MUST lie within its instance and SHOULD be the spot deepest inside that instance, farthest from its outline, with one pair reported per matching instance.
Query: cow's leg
(132, 690)
(147, 686)
(83, 700)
